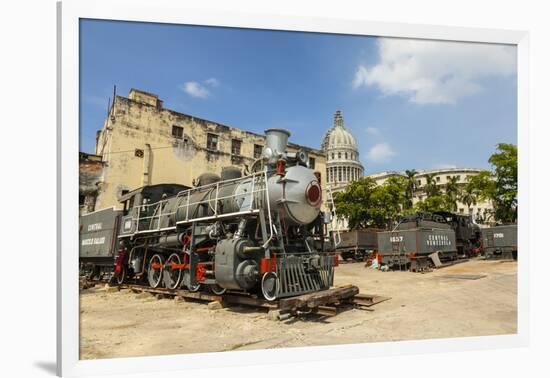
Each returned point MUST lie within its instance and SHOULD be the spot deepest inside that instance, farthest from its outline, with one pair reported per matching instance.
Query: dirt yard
(423, 306)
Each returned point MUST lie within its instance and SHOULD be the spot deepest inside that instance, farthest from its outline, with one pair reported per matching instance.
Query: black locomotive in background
(414, 237)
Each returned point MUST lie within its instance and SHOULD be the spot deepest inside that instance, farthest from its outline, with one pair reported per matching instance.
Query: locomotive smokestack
(276, 142)
(277, 139)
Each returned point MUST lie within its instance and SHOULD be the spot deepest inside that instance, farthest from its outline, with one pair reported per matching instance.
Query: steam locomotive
(260, 233)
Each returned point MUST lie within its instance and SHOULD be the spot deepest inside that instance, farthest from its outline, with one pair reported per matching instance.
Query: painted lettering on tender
(93, 241)
(95, 226)
(438, 240)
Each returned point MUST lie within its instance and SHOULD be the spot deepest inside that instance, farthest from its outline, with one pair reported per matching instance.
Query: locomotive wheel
(194, 288)
(185, 282)
(154, 273)
(172, 277)
(121, 276)
(270, 286)
(217, 289)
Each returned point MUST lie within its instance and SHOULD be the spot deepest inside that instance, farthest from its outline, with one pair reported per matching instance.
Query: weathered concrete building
(143, 143)
(479, 210)
(90, 178)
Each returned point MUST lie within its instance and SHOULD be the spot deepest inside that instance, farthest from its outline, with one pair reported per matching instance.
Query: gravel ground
(423, 306)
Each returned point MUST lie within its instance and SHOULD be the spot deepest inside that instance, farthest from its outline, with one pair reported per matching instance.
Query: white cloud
(434, 72)
(194, 89)
(380, 152)
(372, 130)
(213, 82)
(200, 90)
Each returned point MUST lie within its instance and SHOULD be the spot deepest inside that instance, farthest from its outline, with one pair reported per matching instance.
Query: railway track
(324, 303)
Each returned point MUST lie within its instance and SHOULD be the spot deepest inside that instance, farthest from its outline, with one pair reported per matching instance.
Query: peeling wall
(90, 180)
(134, 124)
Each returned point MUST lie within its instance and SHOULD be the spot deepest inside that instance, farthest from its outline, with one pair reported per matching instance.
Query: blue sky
(410, 104)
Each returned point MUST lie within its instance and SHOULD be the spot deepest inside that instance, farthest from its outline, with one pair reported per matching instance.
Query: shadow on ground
(47, 366)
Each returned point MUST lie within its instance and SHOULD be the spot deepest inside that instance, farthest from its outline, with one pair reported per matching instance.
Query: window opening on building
(236, 147)
(212, 142)
(177, 132)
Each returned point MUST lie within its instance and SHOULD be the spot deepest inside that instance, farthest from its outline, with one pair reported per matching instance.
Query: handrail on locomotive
(143, 208)
(254, 177)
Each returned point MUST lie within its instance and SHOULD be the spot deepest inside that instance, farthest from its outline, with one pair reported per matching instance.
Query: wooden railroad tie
(325, 303)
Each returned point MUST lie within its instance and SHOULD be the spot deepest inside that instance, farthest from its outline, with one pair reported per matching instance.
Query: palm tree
(410, 187)
(469, 196)
(431, 187)
(452, 191)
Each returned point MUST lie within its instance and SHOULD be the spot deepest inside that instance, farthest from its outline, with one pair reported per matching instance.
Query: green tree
(364, 204)
(355, 201)
(431, 188)
(452, 192)
(483, 186)
(394, 198)
(410, 187)
(469, 195)
(501, 186)
(505, 163)
(433, 203)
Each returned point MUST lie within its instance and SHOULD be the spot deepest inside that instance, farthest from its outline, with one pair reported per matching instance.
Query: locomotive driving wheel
(186, 282)
(155, 271)
(270, 286)
(121, 276)
(172, 276)
(217, 289)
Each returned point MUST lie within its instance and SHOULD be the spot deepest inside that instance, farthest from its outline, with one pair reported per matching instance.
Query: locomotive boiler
(263, 232)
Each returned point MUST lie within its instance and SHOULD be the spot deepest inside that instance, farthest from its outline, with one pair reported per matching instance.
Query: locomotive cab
(138, 203)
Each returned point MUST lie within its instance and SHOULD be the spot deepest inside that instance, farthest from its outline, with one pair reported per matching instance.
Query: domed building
(340, 147)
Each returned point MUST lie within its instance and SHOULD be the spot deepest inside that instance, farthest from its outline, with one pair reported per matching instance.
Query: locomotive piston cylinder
(234, 268)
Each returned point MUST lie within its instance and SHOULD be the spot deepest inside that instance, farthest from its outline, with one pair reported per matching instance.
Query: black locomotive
(263, 232)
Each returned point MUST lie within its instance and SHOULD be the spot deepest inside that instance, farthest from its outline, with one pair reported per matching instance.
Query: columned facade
(342, 160)
(343, 163)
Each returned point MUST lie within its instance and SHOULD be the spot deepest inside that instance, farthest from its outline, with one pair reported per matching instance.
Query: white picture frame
(69, 13)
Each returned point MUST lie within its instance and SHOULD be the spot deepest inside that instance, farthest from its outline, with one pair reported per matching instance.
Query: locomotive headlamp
(313, 193)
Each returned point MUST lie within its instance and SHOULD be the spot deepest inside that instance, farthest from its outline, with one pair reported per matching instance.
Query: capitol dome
(339, 137)
(340, 147)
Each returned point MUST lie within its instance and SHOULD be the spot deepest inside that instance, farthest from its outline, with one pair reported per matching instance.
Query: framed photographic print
(286, 189)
